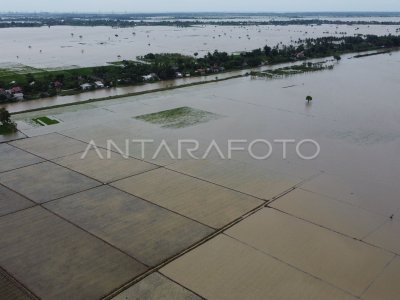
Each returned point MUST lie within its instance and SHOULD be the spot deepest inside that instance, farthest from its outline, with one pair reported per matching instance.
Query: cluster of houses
(14, 93)
(206, 71)
(181, 75)
(153, 76)
(300, 55)
(150, 77)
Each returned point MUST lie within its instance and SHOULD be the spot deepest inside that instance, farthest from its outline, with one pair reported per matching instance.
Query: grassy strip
(45, 120)
(19, 75)
(294, 70)
(372, 54)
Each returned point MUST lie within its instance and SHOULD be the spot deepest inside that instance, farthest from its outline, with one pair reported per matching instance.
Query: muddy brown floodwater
(325, 228)
(66, 46)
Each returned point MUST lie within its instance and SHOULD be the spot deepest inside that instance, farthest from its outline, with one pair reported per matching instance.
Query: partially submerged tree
(337, 57)
(5, 116)
(267, 50)
(6, 124)
(309, 99)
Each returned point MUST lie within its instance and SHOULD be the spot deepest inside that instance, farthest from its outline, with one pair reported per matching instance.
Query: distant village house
(99, 85)
(86, 86)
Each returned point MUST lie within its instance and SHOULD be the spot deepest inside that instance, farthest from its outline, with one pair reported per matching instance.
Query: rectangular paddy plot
(46, 181)
(334, 187)
(387, 286)
(11, 202)
(9, 290)
(204, 202)
(11, 137)
(12, 158)
(56, 260)
(363, 194)
(387, 236)
(97, 132)
(341, 261)
(179, 117)
(330, 213)
(51, 146)
(103, 168)
(145, 231)
(259, 182)
(224, 268)
(122, 140)
(156, 286)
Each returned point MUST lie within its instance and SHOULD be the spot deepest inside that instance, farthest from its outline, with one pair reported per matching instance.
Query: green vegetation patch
(179, 117)
(18, 68)
(43, 121)
(7, 126)
(7, 129)
(372, 54)
(293, 70)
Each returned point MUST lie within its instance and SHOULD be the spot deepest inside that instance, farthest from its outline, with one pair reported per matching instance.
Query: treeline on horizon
(206, 14)
(167, 66)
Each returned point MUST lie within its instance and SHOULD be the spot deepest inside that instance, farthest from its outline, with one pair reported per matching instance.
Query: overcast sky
(198, 5)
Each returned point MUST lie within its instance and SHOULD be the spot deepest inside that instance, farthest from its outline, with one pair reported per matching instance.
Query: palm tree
(309, 98)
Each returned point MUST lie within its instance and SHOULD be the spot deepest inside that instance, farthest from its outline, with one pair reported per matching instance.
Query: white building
(86, 86)
(19, 96)
(99, 84)
(148, 77)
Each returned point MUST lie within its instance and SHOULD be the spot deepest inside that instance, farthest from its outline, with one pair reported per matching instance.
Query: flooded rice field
(112, 92)
(222, 226)
(354, 115)
(343, 204)
(65, 46)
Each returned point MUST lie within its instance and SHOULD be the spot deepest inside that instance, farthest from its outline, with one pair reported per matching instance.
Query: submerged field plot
(76, 224)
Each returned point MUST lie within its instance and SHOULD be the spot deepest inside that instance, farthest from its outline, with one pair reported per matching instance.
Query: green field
(7, 129)
(45, 120)
(179, 117)
(22, 74)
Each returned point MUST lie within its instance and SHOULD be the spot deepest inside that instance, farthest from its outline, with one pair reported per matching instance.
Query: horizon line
(204, 12)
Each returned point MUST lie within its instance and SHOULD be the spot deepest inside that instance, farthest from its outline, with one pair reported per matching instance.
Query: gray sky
(199, 5)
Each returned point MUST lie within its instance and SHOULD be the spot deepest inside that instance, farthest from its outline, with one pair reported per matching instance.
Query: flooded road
(120, 91)
(21, 106)
(112, 92)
